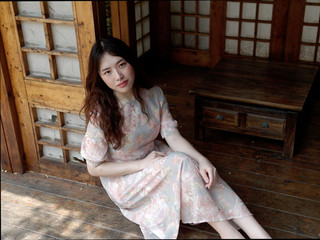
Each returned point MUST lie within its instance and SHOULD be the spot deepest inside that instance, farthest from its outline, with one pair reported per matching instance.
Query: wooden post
(290, 130)
(218, 16)
(123, 21)
(294, 30)
(279, 25)
(12, 154)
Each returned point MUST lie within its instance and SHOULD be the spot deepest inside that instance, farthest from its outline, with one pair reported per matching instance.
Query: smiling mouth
(123, 84)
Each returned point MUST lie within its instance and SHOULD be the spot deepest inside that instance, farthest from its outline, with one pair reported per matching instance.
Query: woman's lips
(123, 84)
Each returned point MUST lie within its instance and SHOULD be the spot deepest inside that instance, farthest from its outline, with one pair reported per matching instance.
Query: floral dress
(168, 191)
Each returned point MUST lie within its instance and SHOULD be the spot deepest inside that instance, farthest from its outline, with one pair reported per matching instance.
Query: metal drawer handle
(219, 117)
(265, 125)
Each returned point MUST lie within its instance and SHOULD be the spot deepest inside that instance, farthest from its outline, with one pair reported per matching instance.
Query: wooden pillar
(294, 30)
(12, 154)
(218, 20)
(123, 21)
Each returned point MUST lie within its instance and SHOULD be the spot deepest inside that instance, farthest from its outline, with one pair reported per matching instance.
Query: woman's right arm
(116, 169)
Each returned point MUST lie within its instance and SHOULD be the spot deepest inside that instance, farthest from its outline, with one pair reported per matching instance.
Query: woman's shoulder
(154, 92)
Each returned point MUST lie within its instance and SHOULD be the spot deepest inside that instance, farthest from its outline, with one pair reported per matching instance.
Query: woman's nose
(119, 75)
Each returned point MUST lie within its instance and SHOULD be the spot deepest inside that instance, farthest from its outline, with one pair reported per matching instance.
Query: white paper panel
(190, 6)
(49, 134)
(175, 39)
(309, 34)
(233, 9)
(74, 120)
(74, 138)
(189, 41)
(307, 53)
(247, 29)
(231, 46)
(175, 6)
(47, 115)
(53, 152)
(265, 11)
(60, 10)
(139, 48)
(137, 11)
(249, 10)
(246, 48)
(68, 68)
(232, 28)
(204, 7)
(313, 1)
(146, 43)
(29, 8)
(264, 31)
(145, 26)
(203, 42)
(64, 37)
(144, 8)
(311, 14)
(38, 65)
(175, 22)
(204, 25)
(75, 155)
(138, 30)
(33, 34)
(189, 24)
(262, 49)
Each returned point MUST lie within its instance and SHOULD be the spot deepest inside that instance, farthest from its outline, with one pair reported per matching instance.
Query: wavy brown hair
(101, 105)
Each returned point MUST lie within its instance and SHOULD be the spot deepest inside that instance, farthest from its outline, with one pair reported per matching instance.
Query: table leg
(290, 132)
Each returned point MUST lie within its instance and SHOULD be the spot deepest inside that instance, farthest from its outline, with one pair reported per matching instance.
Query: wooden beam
(279, 27)
(217, 37)
(86, 34)
(294, 30)
(11, 141)
(14, 62)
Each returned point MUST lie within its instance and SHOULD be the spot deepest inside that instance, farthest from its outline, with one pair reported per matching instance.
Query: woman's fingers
(210, 173)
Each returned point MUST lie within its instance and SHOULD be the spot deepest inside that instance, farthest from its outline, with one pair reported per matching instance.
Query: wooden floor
(283, 195)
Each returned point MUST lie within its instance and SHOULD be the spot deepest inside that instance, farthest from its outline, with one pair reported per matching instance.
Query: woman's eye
(122, 64)
(107, 72)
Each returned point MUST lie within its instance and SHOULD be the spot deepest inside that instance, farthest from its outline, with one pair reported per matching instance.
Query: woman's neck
(123, 98)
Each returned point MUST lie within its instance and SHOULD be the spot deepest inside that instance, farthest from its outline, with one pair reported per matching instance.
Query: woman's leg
(226, 230)
(251, 227)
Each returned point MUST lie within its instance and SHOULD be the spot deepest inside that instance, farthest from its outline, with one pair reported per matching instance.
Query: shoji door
(199, 33)
(47, 45)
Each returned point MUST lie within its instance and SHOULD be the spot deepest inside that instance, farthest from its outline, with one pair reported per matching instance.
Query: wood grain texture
(14, 63)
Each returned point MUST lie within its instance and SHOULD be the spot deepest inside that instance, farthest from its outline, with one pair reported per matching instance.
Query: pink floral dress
(170, 190)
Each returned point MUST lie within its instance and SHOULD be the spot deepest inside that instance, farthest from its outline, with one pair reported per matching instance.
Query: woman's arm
(206, 169)
(115, 169)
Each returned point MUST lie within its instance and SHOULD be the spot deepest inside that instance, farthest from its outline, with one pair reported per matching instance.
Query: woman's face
(118, 74)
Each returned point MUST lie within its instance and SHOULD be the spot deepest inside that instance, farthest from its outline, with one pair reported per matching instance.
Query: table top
(260, 82)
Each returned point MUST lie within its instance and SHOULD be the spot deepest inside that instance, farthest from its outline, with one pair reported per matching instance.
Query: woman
(153, 184)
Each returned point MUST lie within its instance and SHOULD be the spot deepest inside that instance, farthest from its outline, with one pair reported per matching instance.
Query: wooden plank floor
(283, 195)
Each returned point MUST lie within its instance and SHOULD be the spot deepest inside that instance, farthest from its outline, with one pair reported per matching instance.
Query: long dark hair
(101, 104)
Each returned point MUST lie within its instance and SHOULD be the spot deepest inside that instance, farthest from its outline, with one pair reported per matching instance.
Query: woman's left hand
(208, 172)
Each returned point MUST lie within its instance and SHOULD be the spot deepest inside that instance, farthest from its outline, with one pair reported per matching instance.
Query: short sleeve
(94, 146)
(168, 124)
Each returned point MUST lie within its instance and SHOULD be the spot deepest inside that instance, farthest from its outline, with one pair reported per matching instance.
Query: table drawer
(270, 126)
(220, 117)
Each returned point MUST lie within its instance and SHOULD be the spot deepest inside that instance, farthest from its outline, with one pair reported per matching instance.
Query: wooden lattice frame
(256, 21)
(316, 44)
(49, 50)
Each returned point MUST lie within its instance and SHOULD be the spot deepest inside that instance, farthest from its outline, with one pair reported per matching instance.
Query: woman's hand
(208, 172)
(148, 160)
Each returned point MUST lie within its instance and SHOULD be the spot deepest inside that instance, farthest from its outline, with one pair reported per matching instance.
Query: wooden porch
(284, 195)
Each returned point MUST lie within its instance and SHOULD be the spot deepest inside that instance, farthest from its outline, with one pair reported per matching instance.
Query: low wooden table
(254, 97)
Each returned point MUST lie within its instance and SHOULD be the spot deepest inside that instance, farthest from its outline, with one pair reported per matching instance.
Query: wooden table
(254, 97)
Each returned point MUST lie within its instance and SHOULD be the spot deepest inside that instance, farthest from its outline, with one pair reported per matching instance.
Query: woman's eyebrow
(115, 64)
